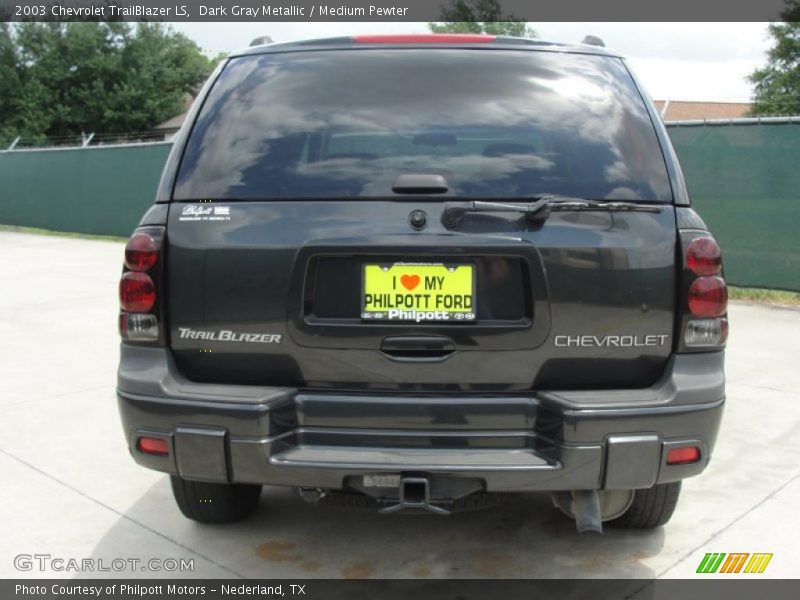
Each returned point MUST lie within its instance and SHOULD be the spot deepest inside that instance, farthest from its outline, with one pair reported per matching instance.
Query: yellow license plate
(418, 292)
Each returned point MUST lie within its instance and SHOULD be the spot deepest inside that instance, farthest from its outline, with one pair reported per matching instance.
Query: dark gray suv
(417, 272)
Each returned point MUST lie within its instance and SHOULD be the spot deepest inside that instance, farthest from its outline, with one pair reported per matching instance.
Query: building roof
(170, 124)
(683, 110)
(175, 122)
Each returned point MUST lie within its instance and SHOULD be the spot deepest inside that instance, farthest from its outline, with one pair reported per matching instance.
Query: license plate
(418, 292)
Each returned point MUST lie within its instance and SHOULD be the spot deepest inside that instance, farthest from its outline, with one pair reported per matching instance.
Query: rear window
(493, 123)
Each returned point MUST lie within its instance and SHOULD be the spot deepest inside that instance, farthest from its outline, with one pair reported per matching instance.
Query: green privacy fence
(100, 190)
(744, 178)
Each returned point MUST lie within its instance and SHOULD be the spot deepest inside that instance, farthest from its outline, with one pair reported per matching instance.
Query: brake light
(141, 252)
(683, 456)
(708, 297)
(137, 293)
(705, 300)
(151, 445)
(425, 38)
(703, 257)
(140, 317)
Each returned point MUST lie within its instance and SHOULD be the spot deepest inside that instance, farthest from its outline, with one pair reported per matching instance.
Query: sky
(675, 61)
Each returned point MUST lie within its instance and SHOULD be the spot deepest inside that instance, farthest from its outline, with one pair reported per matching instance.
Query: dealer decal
(193, 212)
(611, 341)
(226, 335)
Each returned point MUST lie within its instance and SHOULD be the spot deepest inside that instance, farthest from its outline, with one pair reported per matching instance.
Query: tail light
(137, 292)
(141, 251)
(141, 314)
(708, 297)
(703, 256)
(136, 327)
(705, 295)
(705, 333)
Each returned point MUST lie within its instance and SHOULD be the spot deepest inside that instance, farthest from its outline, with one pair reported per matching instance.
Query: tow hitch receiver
(414, 492)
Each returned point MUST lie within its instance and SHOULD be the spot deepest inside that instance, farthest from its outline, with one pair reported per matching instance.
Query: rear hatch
(307, 245)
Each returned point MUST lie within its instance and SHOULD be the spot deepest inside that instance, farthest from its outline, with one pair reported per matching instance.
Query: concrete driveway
(70, 490)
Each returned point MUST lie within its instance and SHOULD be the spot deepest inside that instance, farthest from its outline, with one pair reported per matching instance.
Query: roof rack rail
(262, 41)
(593, 40)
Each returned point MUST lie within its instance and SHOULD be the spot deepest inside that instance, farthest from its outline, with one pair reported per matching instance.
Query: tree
(777, 85)
(62, 79)
(9, 81)
(480, 16)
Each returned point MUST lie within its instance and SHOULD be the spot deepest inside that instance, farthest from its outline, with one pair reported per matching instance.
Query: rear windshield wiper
(540, 208)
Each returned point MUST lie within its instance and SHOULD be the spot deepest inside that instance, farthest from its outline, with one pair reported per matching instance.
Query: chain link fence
(744, 179)
(92, 189)
(743, 176)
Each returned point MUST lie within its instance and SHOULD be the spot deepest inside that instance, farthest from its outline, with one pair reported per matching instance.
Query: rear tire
(215, 502)
(650, 508)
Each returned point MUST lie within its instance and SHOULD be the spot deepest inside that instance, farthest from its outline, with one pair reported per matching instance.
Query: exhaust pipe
(590, 508)
(586, 506)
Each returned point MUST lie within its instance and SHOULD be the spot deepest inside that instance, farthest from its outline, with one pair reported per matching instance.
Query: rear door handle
(413, 348)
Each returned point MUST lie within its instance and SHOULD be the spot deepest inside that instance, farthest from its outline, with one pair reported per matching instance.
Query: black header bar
(385, 10)
(704, 587)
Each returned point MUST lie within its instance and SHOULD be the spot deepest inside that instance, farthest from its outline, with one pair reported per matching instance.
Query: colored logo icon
(736, 562)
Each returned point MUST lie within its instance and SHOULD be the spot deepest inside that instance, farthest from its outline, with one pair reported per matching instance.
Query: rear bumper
(613, 439)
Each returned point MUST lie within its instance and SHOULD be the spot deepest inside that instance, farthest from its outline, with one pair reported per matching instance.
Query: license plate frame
(430, 310)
